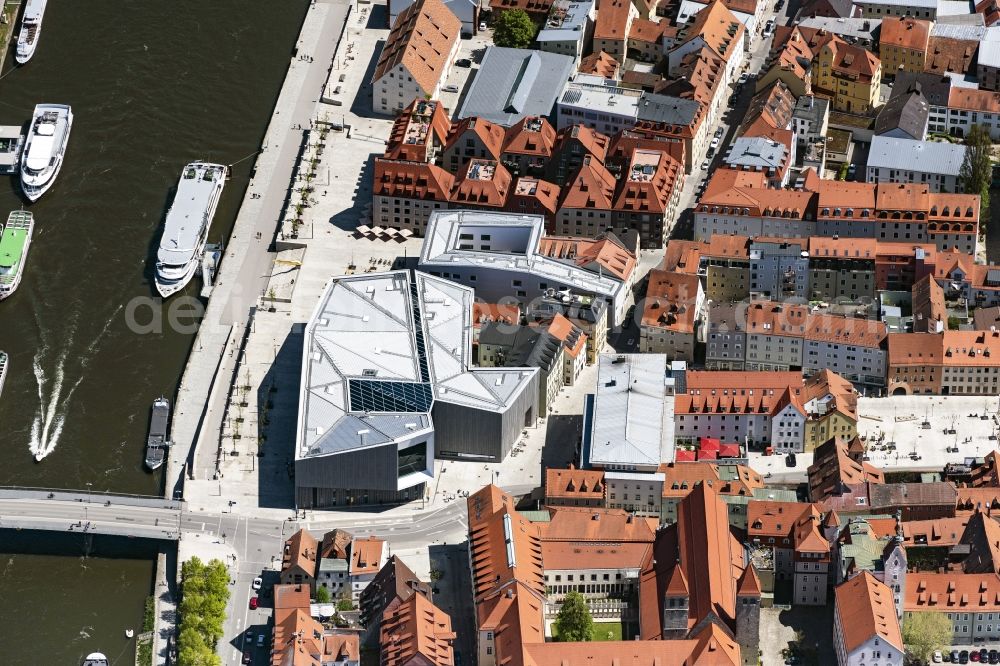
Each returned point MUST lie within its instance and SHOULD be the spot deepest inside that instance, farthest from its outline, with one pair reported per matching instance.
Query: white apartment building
(637, 493)
(417, 56)
(497, 255)
(597, 103)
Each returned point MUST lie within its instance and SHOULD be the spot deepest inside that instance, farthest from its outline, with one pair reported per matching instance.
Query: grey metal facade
(465, 433)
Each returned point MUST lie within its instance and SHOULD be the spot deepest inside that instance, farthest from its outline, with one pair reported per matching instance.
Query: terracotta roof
(625, 142)
(929, 309)
(534, 196)
(907, 33)
(950, 348)
(493, 522)
(534, 7)
(990, 11)
(290, 595)
(945, 54)
(394, 582)
(336, 543)
(952, 592)
(798, 522)
(582, 524)
(602, 254)
(683, 256)
(412, 180)
(300, 552)
(774, 105)
(483, 183)
(592, 186)
(719, 28)
(649, 182)
(934, 532)
(892, 495)
(416, 632)
(421, 40)
(530, 136)
(771, 318)
(728, 246)
(833, 471)
(701, 544)
(572, 337)
(866, 609)
(671, 300)
(493, 312)
(845, 330)
(983, 499)
(680, 478)
(982, 536)
(644, 30)
(515, 616)
(853, 61)
(601, 64)
(971, 99)
(489, 134)
(710, 645)
(417, 131)
(366, 555)
(612, 19)
(699, 73)
(574, 483)
(590, 139)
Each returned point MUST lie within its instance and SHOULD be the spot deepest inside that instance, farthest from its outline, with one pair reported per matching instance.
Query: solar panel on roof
(375, 396)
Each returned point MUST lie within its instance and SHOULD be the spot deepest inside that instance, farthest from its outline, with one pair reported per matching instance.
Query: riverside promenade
(242, 278)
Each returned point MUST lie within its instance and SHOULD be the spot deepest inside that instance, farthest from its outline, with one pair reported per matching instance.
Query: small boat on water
(129, 633)
(157, 442)
(31, 30)
(95, 659)
(45, 148)
(15, 239)
(3, 368)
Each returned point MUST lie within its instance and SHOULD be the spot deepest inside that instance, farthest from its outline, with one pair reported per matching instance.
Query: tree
(322, 595)
(923, 633)
(976, 173)
(514, 28)
(204, 593)
(574, 622)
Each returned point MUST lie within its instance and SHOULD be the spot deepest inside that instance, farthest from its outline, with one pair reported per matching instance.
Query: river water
(153, 86)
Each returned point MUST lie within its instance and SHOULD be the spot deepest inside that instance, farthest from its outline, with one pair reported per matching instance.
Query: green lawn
(603, 631)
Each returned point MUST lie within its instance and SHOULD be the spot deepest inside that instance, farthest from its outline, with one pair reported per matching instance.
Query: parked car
(994, 656)
(482, 26)
(253, 603)
(963, 657)
(768, 28)
(954, 656)
(715, 143)
(936, 658)
(719, 132)
(974, 656)
(778, 5)
(450, 88)
(851, 170)
(744, 77)
(790, 460)
(463, 62)
(246, 657)
(260, 639)
(257, 582)
(704, 165)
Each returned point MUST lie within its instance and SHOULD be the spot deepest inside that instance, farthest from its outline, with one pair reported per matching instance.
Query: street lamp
(86, 507)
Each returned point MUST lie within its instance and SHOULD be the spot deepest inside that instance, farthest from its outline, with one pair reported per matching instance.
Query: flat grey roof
(588, 91)
(380, 348)
(757, 152)
(629, 419)
(855, 27)
(513, 83)
(669, 110)
(923, 4)
(566, 21)
(910, 155)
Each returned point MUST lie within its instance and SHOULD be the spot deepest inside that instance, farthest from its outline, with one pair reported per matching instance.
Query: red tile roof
(866, 609)
(421, 40)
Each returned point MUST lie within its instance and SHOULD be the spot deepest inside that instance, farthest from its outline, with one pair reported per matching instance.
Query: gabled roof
(613, 18)
(600, 64)
(416, 632)
(421, 40)
(574, 483)
(591, 187)
(718, 27)
(491, 135)
(905, 33)
(483, 183)
(671, 301)
(530, 136)
(866, 609)
(412, 180)
(415, 132)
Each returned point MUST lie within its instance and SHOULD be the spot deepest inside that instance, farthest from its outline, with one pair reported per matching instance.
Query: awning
(405, 233)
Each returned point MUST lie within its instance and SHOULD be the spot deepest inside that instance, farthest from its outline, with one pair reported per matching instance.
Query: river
(153, 86)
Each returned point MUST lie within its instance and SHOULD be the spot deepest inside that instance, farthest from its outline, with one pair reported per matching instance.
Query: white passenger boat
(31, 30)
(45, 148)
(95, 659)
(4, 359)
(186, 228)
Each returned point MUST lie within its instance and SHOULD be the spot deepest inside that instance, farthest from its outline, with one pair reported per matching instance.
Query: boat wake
(47, 426)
